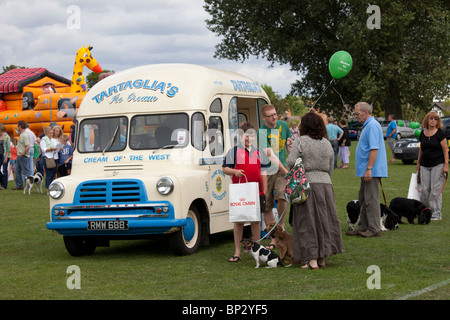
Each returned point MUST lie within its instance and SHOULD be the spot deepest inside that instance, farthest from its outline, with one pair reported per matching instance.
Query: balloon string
(331, 82)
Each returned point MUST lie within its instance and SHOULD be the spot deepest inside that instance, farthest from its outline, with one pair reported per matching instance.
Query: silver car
(402, 131)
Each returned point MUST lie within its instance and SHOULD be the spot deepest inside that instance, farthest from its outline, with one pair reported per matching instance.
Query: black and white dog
(411, 208)
(389, 219)
(33, 180)
(261, 254)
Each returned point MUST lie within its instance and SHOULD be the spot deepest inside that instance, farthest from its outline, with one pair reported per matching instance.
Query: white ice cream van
(149, 148)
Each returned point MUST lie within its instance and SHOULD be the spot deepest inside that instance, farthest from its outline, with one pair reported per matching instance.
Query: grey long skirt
(316, 230)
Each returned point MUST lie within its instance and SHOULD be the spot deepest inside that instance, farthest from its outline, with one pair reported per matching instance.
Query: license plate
(398, 151)
(108, 225)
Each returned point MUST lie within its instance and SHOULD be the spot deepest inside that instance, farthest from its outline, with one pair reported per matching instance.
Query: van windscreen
(103, 134)
(157, 131)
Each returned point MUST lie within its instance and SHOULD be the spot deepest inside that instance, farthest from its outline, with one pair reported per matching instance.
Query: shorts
(275, 184)
(390, 142)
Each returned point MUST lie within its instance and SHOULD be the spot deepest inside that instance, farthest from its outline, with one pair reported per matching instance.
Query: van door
(215, 153)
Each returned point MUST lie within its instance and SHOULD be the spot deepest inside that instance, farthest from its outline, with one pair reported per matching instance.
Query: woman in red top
(246, 160)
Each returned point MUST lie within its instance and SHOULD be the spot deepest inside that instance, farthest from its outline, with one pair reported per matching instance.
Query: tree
(405, 60)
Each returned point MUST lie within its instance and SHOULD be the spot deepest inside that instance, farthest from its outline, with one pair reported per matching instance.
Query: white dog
(33, 180)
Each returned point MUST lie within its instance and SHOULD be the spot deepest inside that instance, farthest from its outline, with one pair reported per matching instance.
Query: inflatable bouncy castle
(40, 97)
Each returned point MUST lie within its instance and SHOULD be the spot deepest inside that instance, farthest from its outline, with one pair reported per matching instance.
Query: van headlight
(164, 186)
(56, 190)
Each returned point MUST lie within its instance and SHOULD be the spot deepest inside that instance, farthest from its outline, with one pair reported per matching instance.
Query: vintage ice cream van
(149, 147)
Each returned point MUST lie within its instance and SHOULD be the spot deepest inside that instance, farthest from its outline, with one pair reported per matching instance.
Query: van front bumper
(114, 220)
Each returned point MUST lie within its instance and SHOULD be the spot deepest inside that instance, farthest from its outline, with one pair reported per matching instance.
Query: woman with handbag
(316, 230)
(48, 149)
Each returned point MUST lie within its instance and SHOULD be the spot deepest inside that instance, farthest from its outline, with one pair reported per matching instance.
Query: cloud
(47, 33)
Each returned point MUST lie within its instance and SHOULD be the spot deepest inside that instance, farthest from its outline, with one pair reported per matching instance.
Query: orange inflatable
(40, 97)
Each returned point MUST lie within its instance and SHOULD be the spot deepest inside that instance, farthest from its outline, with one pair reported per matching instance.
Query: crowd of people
(316, 231)
(28, 154)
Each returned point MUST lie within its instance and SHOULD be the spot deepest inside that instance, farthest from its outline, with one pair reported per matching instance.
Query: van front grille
(110, 191)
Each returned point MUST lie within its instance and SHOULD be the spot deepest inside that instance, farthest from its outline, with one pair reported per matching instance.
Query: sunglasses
(434, 118)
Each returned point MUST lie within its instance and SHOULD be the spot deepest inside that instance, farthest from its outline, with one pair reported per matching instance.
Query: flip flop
(270, 246)
(234, 259)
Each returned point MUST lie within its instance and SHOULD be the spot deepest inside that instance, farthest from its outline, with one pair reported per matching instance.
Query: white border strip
(430, 288)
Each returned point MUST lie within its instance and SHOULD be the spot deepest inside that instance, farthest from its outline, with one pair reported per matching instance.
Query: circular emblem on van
(218, 184)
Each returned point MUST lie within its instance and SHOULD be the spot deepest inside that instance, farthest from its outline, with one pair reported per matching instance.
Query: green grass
(33, 260)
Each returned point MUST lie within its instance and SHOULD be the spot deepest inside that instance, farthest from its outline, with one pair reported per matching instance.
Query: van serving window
(103, 134)
(157, 131)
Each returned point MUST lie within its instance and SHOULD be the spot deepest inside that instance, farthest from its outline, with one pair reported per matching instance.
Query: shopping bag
(244, 203)
(297, 186)
(414, 190)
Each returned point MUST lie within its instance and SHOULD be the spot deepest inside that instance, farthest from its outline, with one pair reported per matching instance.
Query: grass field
(34, 262)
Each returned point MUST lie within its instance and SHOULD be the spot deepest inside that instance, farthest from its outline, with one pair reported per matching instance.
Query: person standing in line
(316, 230)
(275, 135)
(432, 163)
(245, 160)
(334, 135)
(344, 144)
(391, 135)
(5, 154)
(48, 148)
(371, 166)
(23, 155)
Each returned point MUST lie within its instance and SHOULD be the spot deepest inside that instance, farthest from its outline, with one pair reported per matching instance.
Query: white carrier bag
(244, 203)
(414, 190)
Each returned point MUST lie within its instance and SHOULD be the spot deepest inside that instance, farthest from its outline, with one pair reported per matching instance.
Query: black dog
(389, 220)
(411, 208)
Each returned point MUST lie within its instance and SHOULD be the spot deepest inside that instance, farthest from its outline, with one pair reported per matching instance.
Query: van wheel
(79, 246)
(187, 240)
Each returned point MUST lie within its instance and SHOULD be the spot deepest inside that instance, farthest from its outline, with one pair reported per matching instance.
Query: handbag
(244, 203)
(50, 163)
(297, 186)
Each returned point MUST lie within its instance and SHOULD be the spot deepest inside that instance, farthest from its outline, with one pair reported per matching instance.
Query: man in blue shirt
(334, 135)
(391, 135)
(371, 166)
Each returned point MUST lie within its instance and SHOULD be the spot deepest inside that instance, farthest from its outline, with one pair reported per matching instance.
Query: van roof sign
(163, 86)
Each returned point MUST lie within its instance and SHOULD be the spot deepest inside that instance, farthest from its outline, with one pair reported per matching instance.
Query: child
(65, 157)
(241, 160)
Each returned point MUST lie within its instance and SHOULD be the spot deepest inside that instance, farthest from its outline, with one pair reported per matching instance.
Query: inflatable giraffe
(83, 58)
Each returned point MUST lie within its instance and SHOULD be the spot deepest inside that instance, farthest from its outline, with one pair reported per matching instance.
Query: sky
(123, 34)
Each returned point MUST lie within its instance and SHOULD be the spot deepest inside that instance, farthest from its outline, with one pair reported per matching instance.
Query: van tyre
(79, 246)
(187, 240)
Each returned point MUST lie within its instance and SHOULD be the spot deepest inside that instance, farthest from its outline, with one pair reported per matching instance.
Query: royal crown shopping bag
(244, 203)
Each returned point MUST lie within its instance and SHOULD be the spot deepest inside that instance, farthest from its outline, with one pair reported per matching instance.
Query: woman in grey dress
(316, 230)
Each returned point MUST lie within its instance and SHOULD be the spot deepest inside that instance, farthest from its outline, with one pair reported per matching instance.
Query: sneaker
(369, 234)
(17, 188)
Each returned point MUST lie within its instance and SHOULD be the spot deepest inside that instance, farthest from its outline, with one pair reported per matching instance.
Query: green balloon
(417, 133)
(400, 123)
(340, 64)
(414, 125)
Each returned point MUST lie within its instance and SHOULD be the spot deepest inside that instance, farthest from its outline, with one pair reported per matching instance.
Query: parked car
(407, 150)
(402, 131)
(446, 129)
(353, 129)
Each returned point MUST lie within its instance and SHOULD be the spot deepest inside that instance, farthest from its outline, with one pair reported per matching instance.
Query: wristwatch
(368, 168)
